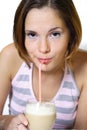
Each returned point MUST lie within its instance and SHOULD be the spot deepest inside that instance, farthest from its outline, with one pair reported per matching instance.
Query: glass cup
(41, 115)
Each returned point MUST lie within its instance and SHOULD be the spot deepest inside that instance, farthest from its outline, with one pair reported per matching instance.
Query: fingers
(18, 122)
(22, 119)
(21, 127)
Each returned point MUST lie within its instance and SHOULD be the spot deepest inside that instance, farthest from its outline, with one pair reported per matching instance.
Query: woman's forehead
(44, 15)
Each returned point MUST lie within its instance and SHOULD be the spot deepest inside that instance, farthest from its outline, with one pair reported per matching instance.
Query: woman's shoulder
(80, 58)
(8, 50)
(10, 59)
(10, 53)
(80, 67)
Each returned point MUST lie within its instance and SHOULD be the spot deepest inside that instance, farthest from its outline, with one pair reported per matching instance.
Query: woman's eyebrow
(31, 31)
(52, 29)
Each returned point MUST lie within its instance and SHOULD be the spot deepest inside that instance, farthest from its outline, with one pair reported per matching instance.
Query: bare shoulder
(80, 59)
(81, 54)
(9, 59)
(80, 67)
(9, 53)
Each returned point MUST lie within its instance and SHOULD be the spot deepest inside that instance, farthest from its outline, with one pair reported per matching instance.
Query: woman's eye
(55, 34)
(31, 35)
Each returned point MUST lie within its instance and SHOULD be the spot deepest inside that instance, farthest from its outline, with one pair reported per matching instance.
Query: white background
(7, 11)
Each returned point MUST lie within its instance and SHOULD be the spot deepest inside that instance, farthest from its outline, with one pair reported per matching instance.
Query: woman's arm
(9, 64)
(81, 119)
(5, 76)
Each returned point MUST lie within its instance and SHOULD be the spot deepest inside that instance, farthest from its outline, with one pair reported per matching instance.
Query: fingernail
(25, 123)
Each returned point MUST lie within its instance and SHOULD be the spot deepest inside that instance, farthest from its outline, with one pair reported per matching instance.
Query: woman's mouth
(44, 61)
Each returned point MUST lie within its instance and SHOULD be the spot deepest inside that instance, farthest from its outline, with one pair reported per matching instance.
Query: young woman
(46, 32)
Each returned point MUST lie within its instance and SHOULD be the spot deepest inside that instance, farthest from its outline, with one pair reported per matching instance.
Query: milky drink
(41, 116)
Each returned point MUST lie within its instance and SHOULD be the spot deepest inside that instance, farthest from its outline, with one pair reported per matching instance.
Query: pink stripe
(21, 96)
(69, 92)
(19, 71)
(66, 116)
(22, 84)
(22, 70)
(17, 107)
(66, 104)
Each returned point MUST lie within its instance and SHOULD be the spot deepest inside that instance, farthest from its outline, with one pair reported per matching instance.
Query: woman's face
(46, 38)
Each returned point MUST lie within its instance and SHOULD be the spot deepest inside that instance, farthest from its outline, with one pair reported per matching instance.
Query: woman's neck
(50, 83)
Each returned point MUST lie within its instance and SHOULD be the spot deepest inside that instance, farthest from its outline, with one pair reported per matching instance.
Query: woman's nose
(44, 46)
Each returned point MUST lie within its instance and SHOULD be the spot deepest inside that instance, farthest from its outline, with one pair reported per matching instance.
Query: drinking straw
(39, 82)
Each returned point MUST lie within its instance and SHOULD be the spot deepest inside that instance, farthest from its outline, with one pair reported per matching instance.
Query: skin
(46, 41)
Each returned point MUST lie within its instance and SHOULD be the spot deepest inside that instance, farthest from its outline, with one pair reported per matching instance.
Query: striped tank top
(66, 99)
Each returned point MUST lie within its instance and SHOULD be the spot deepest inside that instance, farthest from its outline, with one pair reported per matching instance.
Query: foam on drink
(40, 108)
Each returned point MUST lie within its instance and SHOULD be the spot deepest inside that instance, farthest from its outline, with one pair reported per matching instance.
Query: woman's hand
(18, 122)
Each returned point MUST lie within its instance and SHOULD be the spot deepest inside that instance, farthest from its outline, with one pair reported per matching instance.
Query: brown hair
(67, 12)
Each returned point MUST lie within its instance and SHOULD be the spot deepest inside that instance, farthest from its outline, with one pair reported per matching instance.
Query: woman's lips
(44, 61)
